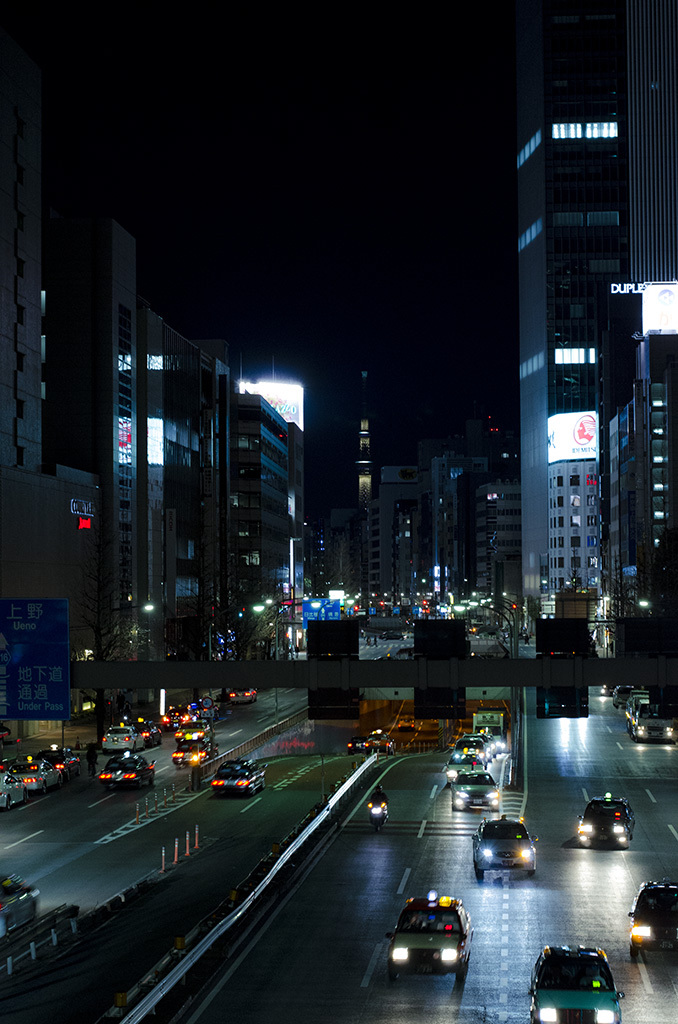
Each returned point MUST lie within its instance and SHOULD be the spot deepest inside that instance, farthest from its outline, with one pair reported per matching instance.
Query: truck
(492, 722)
(647, 722)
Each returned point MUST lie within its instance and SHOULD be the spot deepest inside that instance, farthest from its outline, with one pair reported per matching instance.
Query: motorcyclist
(379, 796)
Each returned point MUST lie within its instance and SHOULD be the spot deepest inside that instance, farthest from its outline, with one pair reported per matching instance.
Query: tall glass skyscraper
(597, 149)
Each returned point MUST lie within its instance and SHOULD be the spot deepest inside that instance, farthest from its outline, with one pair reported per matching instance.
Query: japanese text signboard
(34, 659)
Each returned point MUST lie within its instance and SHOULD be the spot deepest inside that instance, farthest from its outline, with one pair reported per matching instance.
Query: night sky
(329, 195)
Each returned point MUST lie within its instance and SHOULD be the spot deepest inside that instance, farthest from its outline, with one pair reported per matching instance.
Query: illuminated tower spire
(364, 463)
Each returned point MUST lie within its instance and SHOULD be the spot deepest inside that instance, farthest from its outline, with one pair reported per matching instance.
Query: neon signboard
(286, 399)
(572, 435)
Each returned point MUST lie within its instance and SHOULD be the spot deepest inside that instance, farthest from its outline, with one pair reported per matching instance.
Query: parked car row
(48, 769)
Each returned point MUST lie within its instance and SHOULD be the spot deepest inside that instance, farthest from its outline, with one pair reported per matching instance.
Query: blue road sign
(322, 609)
(35, 662)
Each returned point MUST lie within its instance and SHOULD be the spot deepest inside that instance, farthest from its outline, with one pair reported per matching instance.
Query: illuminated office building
(597, 205)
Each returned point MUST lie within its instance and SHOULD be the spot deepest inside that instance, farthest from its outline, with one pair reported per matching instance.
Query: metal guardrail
(15, 946)
(148, 1003)
(207, 768)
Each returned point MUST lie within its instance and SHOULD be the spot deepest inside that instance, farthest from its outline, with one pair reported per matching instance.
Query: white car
(12, 791)
(36, 774)
(122, 737)
(242, 696)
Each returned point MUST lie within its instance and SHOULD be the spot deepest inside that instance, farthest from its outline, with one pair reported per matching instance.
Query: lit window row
(575, 355)
(531, 233)
(575, 219)
(532, 365)
(589, 130)
(529, 148)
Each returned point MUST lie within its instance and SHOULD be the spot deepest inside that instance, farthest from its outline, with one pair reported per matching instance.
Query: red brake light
(217, 782)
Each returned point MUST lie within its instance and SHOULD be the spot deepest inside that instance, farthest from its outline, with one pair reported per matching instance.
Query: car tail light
(217, 782)
(106, 775)
(60, 766)
(130, 775)
(243, 782)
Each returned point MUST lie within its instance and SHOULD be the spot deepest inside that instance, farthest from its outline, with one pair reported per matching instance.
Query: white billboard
(286, 399)
(660, 307)
(573, 435)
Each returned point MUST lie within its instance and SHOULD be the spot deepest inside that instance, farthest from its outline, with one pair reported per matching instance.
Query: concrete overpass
(343, 673)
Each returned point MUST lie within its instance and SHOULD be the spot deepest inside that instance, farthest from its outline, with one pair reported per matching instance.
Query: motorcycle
(378, 814)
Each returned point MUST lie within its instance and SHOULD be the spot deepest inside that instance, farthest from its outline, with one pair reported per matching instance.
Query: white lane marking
(608, 728)
(675, 834)
(25, 839)
(650, 796)
(102, 801)
(234, 733)
(160, 770)
(250, 805)
(433, 792)
(619, 745)
(423, 826)
(403, 881)
(586, 796)
(645, 978)
(367, 977)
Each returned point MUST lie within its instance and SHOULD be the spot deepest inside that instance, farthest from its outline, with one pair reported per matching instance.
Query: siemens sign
(572, 435)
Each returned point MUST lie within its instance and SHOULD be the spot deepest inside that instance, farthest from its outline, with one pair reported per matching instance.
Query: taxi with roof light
(607, 819)
(150, 733)
(63, 758)
(121, 737)
(379, 741)
(37, 774)
(194, 749)
(469, 762)
(573, 983)
(433, 936)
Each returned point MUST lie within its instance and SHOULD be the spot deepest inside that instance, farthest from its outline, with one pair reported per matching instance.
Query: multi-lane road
(323, 954)
(323, 957)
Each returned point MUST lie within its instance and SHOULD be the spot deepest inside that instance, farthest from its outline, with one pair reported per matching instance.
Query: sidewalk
(81, 731)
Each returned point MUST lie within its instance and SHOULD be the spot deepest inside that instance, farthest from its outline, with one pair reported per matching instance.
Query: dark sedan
(127, 769)
(244, 777)
(63, 758)
(150, 733)
(654, 917)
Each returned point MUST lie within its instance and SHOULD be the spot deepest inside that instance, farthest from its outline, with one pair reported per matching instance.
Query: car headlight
(618, 829)
(641, 931)
(586, 828)
(641, 730)
(526, 854)
(548, 1013)
(493, 795)
(461, 794)
(400, 953)
(448, 955)
(669, 730)
(487, 852)
(605, 1017)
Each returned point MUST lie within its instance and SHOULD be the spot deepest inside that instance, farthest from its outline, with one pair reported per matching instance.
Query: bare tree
(111, 632)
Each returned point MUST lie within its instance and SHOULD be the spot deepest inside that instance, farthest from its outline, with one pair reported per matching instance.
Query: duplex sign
(34, 659)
